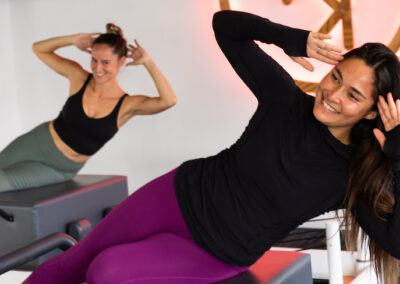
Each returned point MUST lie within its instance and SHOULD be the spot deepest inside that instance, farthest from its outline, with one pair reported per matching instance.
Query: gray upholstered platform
(30, 214)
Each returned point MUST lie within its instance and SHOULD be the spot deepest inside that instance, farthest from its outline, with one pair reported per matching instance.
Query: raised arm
(386, 233)
(141, 104)
(235, 33)
(45, 51)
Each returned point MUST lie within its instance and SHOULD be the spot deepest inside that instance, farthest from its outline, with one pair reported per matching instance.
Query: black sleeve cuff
(392, 147)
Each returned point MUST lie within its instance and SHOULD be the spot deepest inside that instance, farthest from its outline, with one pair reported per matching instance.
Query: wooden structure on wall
(224, 5)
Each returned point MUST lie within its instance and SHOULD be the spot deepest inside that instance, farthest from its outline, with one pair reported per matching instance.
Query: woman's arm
(386, 234)
(235, 33)
(140, 104)
(45, 51)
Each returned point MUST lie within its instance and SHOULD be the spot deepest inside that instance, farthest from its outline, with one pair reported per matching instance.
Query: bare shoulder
(77, 80)
(131, 100)
(142, 104)
(130, 104)
(134, 100)
(126, 111)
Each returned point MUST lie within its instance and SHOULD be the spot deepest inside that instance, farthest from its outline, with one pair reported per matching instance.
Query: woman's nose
(335, 94)
(97, 67)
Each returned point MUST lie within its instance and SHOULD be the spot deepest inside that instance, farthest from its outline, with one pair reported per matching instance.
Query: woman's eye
(353, 97)
(335, 78)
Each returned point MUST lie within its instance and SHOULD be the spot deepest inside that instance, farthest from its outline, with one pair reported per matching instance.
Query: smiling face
(105, 64)
(345, 96)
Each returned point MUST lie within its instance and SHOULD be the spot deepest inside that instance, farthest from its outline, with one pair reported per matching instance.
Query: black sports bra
(83, 134)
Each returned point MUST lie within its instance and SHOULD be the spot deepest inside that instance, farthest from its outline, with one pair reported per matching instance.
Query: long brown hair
(370, 170)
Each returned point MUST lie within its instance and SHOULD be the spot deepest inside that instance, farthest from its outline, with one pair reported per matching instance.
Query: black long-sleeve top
(285, 169)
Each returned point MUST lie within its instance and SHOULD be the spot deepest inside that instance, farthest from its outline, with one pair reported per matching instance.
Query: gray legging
(34, 160)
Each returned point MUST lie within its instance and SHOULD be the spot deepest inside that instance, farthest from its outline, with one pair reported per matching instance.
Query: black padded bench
(72, 207)
(277, 267)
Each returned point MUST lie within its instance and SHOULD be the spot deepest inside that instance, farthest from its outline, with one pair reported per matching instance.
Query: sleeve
(386, 234)
(235, 33)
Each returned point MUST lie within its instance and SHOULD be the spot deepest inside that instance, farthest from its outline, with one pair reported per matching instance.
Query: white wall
(9, 108)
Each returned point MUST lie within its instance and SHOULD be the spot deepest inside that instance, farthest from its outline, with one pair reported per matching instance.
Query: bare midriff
(65, 149)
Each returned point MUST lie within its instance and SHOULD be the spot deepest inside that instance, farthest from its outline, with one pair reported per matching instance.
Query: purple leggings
(143, 240)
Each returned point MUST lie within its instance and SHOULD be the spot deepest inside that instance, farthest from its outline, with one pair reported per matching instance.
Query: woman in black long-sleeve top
(298, 158)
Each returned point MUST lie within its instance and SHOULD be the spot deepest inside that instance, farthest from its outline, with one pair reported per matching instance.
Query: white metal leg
(334, 252)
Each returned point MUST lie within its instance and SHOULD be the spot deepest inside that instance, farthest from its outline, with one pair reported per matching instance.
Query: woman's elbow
(172, 102)
(164, 104)
(395, 253)
(35, 47)
(394, 249)
(217, 19)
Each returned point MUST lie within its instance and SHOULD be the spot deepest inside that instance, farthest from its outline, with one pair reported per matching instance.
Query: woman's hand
(84, 41)
(137, 54)
(390, 116)
(319, 49)
(140, 104)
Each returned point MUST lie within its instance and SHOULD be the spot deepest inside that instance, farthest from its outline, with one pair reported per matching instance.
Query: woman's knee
(104, 268)
(5, 184)
(32, 174)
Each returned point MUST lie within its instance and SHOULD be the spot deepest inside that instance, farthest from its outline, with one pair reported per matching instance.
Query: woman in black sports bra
(96, 108)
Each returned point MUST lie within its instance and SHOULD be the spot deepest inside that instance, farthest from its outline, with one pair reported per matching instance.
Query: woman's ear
(121, 61)
(372, 114)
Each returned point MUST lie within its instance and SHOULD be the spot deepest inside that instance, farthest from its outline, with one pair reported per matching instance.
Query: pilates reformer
(38, 223)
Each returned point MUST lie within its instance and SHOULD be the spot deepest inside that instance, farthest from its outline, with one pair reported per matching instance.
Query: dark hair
(370, 171)
(114, 38)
